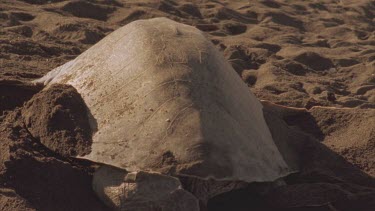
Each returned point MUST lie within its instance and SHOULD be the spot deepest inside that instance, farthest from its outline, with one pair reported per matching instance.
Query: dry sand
(292, 53)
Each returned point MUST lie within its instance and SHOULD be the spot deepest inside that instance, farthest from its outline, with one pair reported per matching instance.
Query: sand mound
(349, 132)
(325, 181)
(41, 179)
(57, 117)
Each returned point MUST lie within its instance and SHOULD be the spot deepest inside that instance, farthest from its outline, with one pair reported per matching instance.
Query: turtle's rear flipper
(141, 191)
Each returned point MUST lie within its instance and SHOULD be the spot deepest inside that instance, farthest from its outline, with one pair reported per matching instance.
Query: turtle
(166, 109)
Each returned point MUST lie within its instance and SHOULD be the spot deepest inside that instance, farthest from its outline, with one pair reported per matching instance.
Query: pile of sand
(33, 177)
(57, 118)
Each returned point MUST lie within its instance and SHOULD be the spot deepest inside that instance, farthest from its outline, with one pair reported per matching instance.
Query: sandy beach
(315, 60)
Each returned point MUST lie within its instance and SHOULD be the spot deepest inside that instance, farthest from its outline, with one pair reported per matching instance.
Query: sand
(292, 53)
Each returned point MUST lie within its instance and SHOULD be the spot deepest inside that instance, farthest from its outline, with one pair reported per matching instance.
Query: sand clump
(57, 117)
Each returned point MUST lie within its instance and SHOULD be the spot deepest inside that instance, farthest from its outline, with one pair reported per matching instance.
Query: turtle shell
(163, 98)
